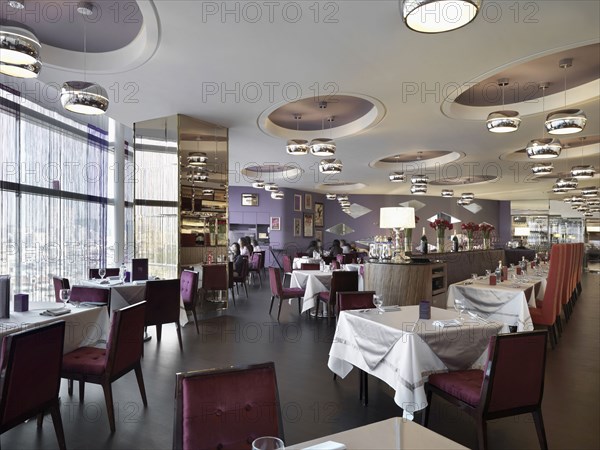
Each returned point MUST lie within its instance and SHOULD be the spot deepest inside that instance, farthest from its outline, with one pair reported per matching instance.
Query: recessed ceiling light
(438, 16)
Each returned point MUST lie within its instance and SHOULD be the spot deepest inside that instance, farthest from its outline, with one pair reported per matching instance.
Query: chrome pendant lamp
(330, 166)
(542, 168)
(84, 97)
(447, 193)
(438, 16)
(505, 121)
(19, 52)
(544, 148)
(566, 121)
(297, 147)
(323, 146)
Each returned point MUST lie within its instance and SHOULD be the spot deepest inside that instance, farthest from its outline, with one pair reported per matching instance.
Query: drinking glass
(488, 272)
(102, 272)
(267, 443)
(378, 301)
(473, 276)
(460, 307)
(65, 294)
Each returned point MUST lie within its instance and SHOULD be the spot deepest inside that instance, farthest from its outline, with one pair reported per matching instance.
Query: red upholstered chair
(512, 383)
(277, 290)
(226, 408)
(188, 290)
(255, 265)
(110, 272)
(287, 267)
(30, 377)
(335, 265)
(103, 366)
(310, 266)
(214, 277)
(162, 298)
(60, 283)
(90, 294)
(347, 301)
(341, 281)
(241, 278)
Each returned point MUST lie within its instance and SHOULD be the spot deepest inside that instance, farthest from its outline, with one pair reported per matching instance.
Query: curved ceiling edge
(135, 54)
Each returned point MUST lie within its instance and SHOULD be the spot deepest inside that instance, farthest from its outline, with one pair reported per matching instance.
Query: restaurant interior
(414, 211)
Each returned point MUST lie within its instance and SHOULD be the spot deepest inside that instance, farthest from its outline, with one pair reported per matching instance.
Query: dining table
(313, 282)
(85, 326)
(506, 302)
(395, 433)
(402, 350)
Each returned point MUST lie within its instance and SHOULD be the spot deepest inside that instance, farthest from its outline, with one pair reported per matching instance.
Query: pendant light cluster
(329, 196)
(587, 203)
(344, 202)
(505, 121)
(419, 184)
(438, 16)
(542, 168)
(272, 188)
(466, 199)
(20, 57)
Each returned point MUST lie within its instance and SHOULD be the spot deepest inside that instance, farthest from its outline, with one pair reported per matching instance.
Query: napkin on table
(447, 323)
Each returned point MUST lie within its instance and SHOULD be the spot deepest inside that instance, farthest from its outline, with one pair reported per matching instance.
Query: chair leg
(246, 289)
(299, 306)
(482, 433)
(140, 381)
(559, 325)
(279, 312)
(551, 336)
(40, 419)
(58, 426)
(179, 335)
(158, 332)
(195, 320)
(272, 300)
(70, 387)
(106, 387)
(365, 387)
(81, 390)
(539, 427)
(259, 278)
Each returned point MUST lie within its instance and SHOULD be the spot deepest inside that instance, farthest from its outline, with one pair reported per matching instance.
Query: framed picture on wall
(275, 223)
(319, 235)
(308, 225)
(308, 201)
(319, 214)
(249, 199)
(297, 226)
(297, 202)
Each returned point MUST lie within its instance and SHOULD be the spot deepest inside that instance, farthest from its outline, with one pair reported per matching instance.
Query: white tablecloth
(84, 326)
(357, 268)
(313, 282)
(297, 262)
(403, 351)
(505, 302)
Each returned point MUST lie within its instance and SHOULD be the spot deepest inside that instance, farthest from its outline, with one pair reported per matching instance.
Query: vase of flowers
(408, 237)
(440, 226)
(470, 228)
(486, 229)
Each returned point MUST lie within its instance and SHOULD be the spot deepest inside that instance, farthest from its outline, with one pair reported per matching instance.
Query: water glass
(102, 272)
(378, 301)
(460, 307)
(267, 443)
(64, 295)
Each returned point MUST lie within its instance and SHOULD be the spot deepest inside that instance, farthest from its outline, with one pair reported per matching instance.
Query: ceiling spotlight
(542, 168)
(278, 195)
(419, 179)
(397, 177)
(322, 147)
(566, 121)
(17, 4)
(418, 188)
(271, 187)
(438, 16)
(258, 184)
(197, 159)
(589, 191)
(330, 166)
(567, 183)
(330, 196)
(447, 193)
(543, 148)
(505, 121)
(468, 196)
(583, 171)
(19, 52)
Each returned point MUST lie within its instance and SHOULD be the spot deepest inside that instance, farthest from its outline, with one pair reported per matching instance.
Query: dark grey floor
(313, 404)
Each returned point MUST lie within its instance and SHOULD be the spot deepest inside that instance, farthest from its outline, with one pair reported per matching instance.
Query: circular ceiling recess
(473, 179)
(588, 146)
(332, 117)
(340, 186)
(477, 98)
(269, 172)
(415, 159)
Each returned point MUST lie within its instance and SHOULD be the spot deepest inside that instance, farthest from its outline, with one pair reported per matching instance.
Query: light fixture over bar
(297, 147)
(591, 191)
(468, 196)
(419, 179)
(438, 16)
(545, 148)
(567, 183)
(505, 121)
(322, 147)
(565, 121)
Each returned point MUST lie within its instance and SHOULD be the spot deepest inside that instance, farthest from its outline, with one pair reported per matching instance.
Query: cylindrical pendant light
(19, 52)
(505, 121)
(566, 121)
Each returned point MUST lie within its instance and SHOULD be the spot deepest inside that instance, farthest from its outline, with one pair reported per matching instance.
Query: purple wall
(495, 212)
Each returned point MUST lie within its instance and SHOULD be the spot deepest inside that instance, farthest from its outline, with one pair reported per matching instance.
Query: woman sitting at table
(335, 248)
(238, 259)
(256, 247)
(245, 246)
(313, 247)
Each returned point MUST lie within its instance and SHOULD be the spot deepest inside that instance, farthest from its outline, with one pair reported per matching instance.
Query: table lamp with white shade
(397, 218)
(522, 233)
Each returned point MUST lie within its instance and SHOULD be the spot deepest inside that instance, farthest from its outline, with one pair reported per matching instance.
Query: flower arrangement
(470, 228)
(486, 228)
(441, 225)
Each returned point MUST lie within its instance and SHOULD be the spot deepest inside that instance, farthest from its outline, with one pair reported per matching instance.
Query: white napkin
(447, 323)
(329, 445)
(55, 312)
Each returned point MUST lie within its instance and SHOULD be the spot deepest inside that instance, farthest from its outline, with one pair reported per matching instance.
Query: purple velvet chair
(60, 283)
(287, 267)
(110, 272)
(341, 281)
(241, 278)
(24, 392)
(256, 265)
(214, 277)
(103, 366)
(188, 289)
(512, 383)
(90, 294)
(277, 290)
(162, 297)
(310, 266)
(205, 400)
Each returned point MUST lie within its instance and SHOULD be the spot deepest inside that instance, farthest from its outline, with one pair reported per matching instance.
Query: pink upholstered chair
(30, 377)
(162, 297)
(214, 277)
(335, 265)
(110, 272)
(277, 290)
(188, 289)
(205, 399)
(341, 281)
(310, 266)
(60, 283)
(241, 278)
(103, 366)
(255, 265)
(287, 267)
(512, 383)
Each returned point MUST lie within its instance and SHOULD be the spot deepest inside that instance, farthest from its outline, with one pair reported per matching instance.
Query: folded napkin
(92, 304)
(391, 308)
(329, 445)
(447, 323)
(55, 312)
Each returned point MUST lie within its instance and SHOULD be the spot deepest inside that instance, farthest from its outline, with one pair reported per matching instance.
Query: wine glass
(460, 307)
(488, 272)
(102, 272)
(267, 443)
(64, 295)
(378, 301)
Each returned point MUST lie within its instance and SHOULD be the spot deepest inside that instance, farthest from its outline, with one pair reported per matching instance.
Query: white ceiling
(354, 47)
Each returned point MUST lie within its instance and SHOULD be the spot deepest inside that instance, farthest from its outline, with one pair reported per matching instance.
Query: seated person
(238, 259)
(335, 248)
(256, 246)
(345, 246)
(313, 247)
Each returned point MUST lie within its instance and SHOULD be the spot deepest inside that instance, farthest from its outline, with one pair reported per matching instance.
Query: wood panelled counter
(462, 264)
(407, 284)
